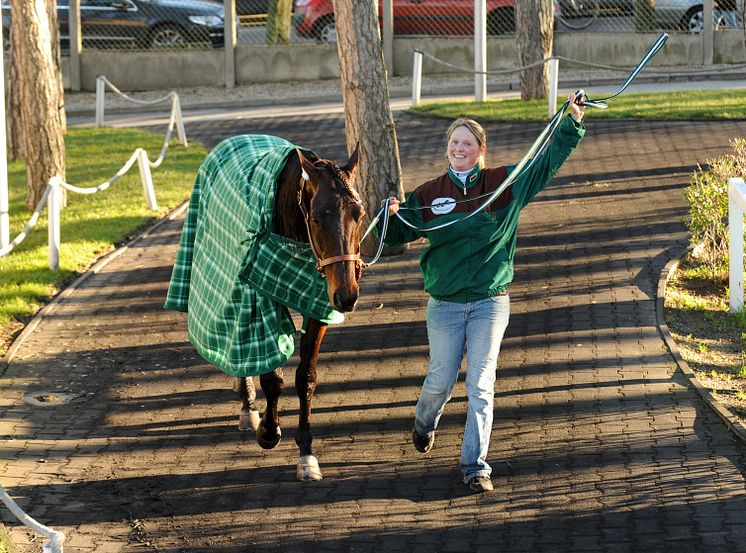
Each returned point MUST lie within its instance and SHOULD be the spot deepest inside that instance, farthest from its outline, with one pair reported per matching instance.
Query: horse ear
(308, 171)
(351, 164)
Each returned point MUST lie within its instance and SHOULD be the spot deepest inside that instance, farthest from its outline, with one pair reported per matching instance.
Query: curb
(100, 264)
(730, 420)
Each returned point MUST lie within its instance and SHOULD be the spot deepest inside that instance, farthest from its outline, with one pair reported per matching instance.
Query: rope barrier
(56, 539)
(56, 182)
(31, 223)
(500, 72)
(576, 62)
(139, 155)
(175, 119)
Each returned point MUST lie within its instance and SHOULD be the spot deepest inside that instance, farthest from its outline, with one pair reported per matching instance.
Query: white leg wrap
(249, 421)
(308, 468)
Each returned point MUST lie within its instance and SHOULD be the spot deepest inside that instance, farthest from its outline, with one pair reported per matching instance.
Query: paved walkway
(598, 445)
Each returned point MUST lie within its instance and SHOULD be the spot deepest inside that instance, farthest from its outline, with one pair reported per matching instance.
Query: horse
(269, 227)
(315, 203)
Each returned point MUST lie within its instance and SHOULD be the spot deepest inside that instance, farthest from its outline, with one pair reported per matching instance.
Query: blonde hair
(474, 128)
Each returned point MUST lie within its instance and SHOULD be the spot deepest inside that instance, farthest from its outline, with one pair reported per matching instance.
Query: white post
(417, 78)
(76, 44)
(176, 114)
(100, 92)
(4, 202)
(480, 50)
(736, 209)
(229, 32)
(147, 179)
(708, 33)
(388, 36)
(553, 81)
(54, 205)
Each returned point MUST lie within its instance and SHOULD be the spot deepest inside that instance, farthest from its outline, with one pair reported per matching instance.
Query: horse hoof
(248, 420)
(264, 442)
(308, 469)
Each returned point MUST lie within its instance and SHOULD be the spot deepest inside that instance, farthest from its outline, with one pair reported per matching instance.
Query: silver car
(687, 15)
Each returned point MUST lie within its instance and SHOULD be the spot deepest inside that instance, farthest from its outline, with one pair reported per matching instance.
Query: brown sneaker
(480, 484)
(422, 443)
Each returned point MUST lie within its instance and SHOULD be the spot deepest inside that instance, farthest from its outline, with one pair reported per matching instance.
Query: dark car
(142, 23)
(252, 12)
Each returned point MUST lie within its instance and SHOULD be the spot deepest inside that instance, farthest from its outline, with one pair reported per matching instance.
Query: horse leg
(249, 417)
(305, 383)
(268, 434)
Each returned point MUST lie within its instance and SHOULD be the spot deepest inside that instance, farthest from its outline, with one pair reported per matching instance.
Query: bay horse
(315, 203)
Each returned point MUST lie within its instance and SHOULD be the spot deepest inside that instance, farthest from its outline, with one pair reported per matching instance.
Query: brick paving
(598, 442)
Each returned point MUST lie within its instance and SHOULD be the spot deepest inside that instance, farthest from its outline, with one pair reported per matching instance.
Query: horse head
(334, 216)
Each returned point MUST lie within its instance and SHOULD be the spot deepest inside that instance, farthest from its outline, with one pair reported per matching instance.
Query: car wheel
(168, 36)
(326, 31)
(6, 41)
(501, 22)
(694, 21)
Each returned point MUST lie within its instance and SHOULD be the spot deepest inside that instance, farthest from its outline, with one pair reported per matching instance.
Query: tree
(279, 14)
(39, 93)
(645, 15)
(14, 126)
(534, 23)
(368, 117)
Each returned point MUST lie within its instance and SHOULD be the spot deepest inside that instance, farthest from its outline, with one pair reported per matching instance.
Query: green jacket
(473, 260)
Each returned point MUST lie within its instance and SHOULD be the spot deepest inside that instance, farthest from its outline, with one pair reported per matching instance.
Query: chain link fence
(647, 15)
(164, 24)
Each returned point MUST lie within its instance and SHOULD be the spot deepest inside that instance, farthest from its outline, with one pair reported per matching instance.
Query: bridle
(323, 262)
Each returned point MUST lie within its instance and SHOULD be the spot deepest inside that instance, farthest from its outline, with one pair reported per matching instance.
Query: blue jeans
(452, 328)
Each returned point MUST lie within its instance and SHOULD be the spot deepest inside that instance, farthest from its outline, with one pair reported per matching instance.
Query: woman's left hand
(576, 111)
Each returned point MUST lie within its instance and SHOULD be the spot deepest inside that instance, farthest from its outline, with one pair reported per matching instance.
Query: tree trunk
(645, 15)
(279, 17)
(40, 98)
(534, 23)
(368, 116)
(14, 124)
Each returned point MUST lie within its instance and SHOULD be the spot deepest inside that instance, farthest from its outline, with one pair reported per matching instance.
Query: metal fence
(164, 24)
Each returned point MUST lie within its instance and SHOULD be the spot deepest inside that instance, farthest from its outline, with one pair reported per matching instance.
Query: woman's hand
(393, 205)
(576, 111)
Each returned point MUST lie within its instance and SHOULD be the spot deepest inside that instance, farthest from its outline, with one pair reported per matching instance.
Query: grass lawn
(92, 224)
(686, 105)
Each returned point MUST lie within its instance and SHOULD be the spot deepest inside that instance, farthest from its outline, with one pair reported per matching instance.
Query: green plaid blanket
(234, 277)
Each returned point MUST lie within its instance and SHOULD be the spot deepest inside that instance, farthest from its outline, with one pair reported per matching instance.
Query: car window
(112, 4)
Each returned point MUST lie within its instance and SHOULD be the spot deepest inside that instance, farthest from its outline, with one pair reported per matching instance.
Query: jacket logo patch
(441, 206)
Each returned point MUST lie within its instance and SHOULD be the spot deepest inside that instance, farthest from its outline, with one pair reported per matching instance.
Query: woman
(467, 268)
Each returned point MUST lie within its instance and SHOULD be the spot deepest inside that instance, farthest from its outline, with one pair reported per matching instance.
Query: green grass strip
(681, 105)
(93, 224)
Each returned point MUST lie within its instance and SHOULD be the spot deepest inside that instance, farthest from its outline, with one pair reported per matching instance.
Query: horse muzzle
(342, 279)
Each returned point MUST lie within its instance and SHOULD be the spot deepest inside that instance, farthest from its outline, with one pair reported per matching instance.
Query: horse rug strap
(235, 318)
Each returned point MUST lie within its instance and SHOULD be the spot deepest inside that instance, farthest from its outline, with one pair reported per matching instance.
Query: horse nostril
(344, 302)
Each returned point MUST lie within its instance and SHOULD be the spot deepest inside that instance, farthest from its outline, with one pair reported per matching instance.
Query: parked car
(141, 23)
(685, 15)
(252, 12)
(315, 18)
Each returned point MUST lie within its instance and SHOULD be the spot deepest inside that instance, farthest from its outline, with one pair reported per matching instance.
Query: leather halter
(323, 262)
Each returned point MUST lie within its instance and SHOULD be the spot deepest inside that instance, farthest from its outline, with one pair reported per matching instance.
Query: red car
(315, 18)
